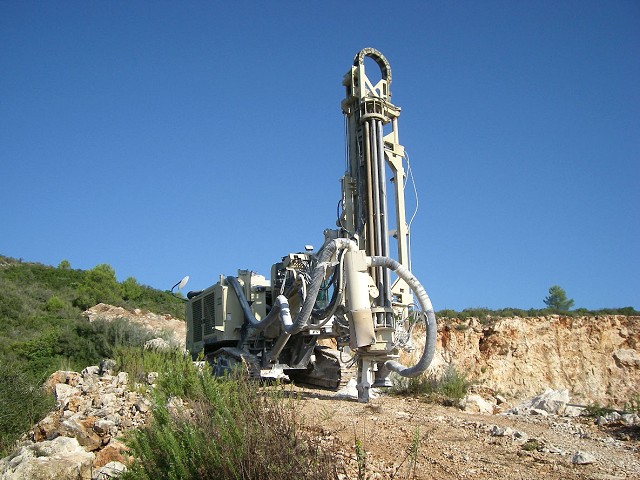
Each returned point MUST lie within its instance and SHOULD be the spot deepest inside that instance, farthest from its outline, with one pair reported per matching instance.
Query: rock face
(596, 359)
(158, 324)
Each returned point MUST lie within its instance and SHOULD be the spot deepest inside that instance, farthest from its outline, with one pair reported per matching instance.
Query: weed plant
(447, 389)
(22, 403)
(221, 428)
(630, 406)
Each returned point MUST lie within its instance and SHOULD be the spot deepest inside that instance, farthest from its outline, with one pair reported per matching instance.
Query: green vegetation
(361, 458)
(42, 330)
(22, 403)
(532, 445)
(447, 389)
(630, 406)
(558, 300)
(486, 314)
(224, 428)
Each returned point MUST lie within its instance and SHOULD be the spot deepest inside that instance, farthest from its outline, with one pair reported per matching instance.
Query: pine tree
(557, 299)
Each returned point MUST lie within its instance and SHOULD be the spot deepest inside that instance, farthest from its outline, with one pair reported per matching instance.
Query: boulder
(63, 393)
(109, 471)
(114, 451)
(85, 436)
(474, 403)
(62, 458)
(582, 458)
(548, 402)
(47, 428)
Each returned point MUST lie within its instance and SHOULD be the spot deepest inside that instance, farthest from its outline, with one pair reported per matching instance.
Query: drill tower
(350, 292)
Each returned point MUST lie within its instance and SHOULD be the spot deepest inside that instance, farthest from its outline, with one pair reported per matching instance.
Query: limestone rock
(62, 458)
(90, 371)
(64, 392)
(85, 436)
(109, 471)
(498, 431)
(159, 324)
(627, 357)
(548, 402)
(630, 419)
(61, 376)
(114, 451)
(597, 359)
(582, 458)
(93, 408)
(476, 404)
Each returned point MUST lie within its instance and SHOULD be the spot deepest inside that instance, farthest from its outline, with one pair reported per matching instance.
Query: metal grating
(197, 320)
(209, 313)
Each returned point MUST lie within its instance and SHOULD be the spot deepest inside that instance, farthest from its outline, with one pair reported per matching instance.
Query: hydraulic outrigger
(345, 291)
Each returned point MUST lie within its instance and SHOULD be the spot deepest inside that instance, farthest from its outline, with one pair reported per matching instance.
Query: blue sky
(173, 138)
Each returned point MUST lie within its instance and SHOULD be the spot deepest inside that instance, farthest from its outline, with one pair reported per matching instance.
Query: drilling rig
(348, 304)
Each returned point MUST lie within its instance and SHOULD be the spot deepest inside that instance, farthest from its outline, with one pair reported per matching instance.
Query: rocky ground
(449, 443)
(398, 437)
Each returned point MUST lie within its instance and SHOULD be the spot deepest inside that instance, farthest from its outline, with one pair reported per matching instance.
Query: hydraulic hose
(249, 317)
(429, 318)
(280, 307)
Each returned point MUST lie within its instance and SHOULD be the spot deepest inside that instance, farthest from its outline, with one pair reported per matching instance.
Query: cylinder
(357, 290)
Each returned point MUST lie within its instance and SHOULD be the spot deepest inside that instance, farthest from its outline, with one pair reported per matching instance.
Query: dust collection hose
(429, 318)
(281, 307)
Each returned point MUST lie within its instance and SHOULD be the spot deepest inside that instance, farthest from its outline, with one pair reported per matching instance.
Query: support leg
(365, 378)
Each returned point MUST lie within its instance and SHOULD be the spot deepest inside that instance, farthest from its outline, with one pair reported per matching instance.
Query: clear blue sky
(173, 138)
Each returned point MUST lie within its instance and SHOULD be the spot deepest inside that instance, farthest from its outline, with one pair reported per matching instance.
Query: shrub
(447, 388)
(22, 403)
(227, 428)
(131, 289)
(100, 286)
(55, 304)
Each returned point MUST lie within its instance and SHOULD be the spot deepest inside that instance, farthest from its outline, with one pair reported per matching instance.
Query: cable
(415, 190)
(415, 212)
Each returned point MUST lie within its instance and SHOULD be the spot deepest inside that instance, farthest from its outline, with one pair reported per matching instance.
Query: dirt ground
(452, 444)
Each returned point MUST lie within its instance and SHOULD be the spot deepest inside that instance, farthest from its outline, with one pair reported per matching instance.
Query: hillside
(42, 329)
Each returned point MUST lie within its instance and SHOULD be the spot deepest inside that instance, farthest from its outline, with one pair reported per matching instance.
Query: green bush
(55, 304)
(447, 388)
(226, 428)
(22, 403)
(100, 286)
(486, 314)
(131, 289)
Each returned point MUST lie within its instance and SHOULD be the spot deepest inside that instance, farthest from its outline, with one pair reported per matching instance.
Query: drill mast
(344, 292)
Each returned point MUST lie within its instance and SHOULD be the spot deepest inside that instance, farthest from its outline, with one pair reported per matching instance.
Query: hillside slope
(42, 329)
